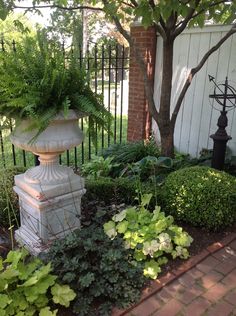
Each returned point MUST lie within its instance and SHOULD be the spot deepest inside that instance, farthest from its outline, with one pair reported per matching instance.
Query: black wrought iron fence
(107, 68)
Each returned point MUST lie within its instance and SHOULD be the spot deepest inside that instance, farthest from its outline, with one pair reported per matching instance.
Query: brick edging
(157, 285)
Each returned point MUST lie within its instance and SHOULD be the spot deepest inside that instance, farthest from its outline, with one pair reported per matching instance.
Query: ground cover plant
(27, 287)
(101, 271)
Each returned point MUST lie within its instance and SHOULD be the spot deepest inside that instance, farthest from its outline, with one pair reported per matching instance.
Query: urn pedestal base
(49, 194)
(47, 212)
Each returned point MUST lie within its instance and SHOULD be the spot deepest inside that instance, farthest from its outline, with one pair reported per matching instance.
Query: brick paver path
(208, 289)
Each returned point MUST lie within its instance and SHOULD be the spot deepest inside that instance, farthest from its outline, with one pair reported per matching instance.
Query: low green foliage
(98, 167)
(201, 196)
(121, 190)
(131, 152)
(152, 236)
(100, 270)
(9, 209)
(109, 190)
(27, 287)
(149, 167)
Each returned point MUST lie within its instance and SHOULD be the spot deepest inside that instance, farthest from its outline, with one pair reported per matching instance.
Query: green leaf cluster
(201, 196)
(98, 167)
(39, 79)
(101, 271)
(9, 205)
(27, 286)
(151, 235)
(162, 11)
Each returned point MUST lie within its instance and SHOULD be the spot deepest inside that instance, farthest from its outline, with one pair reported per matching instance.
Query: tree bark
(164, 122)
(167, 141)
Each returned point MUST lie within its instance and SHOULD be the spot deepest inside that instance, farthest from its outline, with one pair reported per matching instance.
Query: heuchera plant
(152, 235)
(27, 287)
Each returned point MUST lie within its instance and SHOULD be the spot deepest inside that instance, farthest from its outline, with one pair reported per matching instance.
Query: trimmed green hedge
(201, 196)
(120, 190)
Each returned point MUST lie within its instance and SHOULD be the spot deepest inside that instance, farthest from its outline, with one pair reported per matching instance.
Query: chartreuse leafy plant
(152, 236)
(27, 287)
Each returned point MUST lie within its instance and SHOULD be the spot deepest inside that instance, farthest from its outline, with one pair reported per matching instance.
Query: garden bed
(202, 240)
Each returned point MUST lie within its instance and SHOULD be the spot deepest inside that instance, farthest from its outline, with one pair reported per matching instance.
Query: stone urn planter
(49, 194)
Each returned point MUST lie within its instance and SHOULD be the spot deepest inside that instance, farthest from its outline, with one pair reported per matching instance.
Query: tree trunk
(164, 122)
(167, 141)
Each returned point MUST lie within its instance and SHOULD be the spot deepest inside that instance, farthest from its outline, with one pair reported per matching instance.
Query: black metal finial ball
(224, 94)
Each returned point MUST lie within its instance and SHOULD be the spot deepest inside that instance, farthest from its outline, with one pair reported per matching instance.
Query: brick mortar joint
(221, 245)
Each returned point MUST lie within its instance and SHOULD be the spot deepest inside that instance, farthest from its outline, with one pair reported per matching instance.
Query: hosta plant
(27, 287)
(152, 236)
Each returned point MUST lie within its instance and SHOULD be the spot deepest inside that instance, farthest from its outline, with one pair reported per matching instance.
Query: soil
(201, 239)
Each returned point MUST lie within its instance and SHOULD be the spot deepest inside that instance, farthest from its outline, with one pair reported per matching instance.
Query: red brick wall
(139, 122)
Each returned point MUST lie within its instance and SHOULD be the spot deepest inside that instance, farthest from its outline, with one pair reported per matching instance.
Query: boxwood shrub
(201, 196)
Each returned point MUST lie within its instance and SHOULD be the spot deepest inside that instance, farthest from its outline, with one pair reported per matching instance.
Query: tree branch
(202, 11)
(135, 4)
(179, 29)
(58, 7)
(195, 70)
(131, 5)
(210, 6)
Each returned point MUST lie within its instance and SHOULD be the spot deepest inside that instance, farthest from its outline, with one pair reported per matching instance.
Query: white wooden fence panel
(197, 120)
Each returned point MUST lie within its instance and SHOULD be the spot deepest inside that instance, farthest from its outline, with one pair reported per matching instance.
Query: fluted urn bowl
(61, 134)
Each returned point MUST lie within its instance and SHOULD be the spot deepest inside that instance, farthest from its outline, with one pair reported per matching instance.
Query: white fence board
(197, 120)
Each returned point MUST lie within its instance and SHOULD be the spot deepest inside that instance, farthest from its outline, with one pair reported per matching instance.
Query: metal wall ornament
(225, 97)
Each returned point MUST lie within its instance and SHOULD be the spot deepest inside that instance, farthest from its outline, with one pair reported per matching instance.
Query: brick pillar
(139, 121)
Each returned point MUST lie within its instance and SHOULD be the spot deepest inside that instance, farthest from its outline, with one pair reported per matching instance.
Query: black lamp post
(225, 96)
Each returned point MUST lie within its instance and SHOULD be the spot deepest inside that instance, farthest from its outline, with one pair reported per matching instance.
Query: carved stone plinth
(46, 212)
(49, 194)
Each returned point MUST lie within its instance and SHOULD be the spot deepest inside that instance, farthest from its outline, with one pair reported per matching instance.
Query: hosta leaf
(41, 301)
(110, 229)
(122, 227)
(47, 312)
(15, 256)
(9, 274)
(45, 283)
(139, 255)
(27, 270)
(1, 265)
(145, 199)
(2, 312)
(150, 247)
(31, 294)
(31, 281)
(120, 216)
(151, 269)
(183, 239)
(62, 294)
(4, 300)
